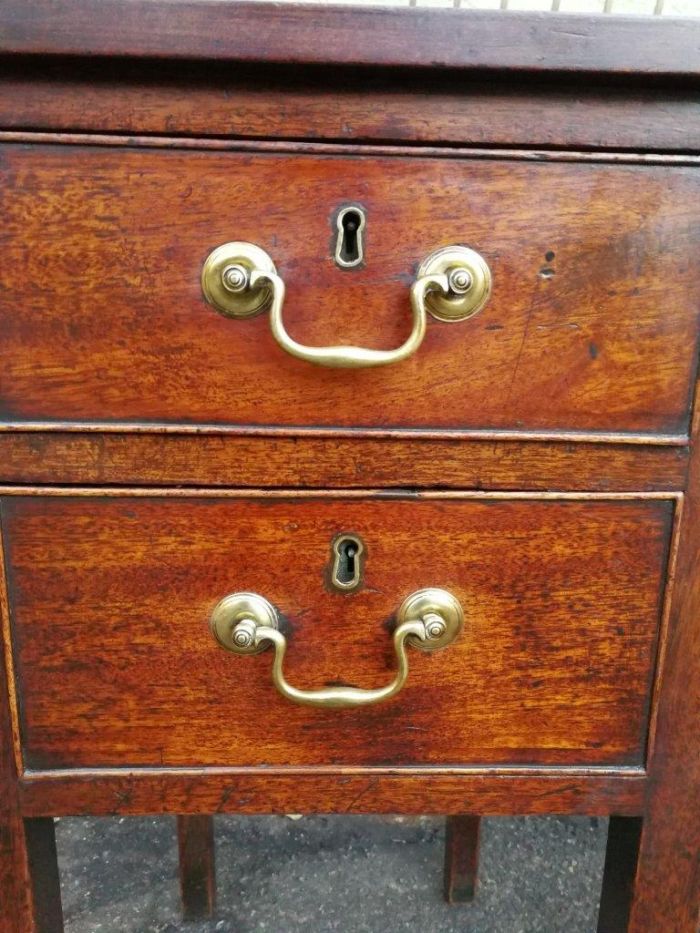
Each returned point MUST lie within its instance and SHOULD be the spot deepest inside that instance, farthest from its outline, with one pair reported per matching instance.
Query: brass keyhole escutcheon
(347, 560)
(349, 244)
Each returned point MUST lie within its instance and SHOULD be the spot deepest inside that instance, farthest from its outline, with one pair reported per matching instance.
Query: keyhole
(347, 557)
(346, 563)
(350, 224)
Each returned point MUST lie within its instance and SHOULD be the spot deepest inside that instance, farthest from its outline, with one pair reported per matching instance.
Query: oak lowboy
(348, 440)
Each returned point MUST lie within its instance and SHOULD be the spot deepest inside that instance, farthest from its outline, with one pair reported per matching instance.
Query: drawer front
(110, 599)
(591, 325)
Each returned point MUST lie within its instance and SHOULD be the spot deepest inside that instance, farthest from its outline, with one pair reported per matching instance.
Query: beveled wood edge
(410, 150)
(323, 34)
(485, 791)
(322, 493)
(402, 434)
(671, 595)
(664, 625)
(12, 693)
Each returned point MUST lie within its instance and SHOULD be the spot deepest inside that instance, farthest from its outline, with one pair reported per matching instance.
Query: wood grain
(30, 897)
(668, 874)
(574, 383)
(343, 104)
(225, 460)
(491, 791)
(601, 336)
(561, 598)
(330, 34)
(15, 904)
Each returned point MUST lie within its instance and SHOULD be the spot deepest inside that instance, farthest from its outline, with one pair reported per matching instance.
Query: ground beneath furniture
(354, 874)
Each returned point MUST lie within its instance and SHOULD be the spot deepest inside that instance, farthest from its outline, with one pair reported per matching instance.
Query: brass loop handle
(240, 280)
(246, 623)
(349, 357)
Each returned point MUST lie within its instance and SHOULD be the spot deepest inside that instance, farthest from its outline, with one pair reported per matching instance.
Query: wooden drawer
(591, 326)
(110, 596)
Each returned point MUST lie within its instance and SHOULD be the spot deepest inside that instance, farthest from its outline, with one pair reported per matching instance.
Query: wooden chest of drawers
(379, 353)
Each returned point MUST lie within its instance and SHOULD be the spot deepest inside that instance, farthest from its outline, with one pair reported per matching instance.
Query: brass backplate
(246, 301)
(234, 609)
(457, 306)
(428, 601)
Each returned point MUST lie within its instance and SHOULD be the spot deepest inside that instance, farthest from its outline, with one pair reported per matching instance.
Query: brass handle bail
(246, 623)
(452, 284)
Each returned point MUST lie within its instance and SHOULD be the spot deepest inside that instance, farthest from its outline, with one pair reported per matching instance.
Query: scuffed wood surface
(192, 99)
(370, 36)
(492, 791)
(562, 600)
(234, 460)
(592, 325)
(668, 876)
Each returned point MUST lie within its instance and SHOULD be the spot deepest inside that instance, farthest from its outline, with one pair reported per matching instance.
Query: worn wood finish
(197, 864)
(668, 879)
(326, 34)
(621, 854)
(122, 588)
(14, 901)
(16, 906)
(575, 381)
(226, 460)
(343, 104)
(490, 791)
(588, 328)
(392, 150)
(30, 897)
(461, 858)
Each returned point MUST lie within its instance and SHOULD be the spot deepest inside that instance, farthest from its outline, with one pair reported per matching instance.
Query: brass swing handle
(246, 623)
(240, 280)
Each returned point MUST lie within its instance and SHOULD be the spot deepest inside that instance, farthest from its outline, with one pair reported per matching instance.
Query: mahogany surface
(562, 598)
(190, 99)
(667, 891)
(379, 36)
(343, 459)
(540, 459)
(587, 328)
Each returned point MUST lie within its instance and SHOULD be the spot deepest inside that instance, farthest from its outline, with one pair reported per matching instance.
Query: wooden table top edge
(393, 37)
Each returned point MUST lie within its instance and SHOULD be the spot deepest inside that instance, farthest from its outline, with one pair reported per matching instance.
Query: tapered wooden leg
(461, 858)
(619, 874)
(30, 894)
(44, 884)
(195, 835)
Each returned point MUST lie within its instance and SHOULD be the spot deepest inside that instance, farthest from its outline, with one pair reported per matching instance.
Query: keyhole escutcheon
(349, 245)
(347, 555)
